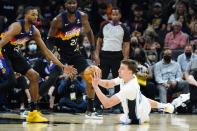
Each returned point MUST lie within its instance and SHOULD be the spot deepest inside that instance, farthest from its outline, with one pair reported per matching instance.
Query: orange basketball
(89, 72)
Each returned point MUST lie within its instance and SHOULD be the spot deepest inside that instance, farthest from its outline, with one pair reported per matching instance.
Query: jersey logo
(78, 21)
(30, 32)
(69, 34)
(66, 25)
(21, 41)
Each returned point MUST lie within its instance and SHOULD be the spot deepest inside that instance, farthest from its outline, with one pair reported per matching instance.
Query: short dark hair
(28, 8)
(116, 8)
(68, 0)
(132, 65)
(166, 48)
(102, 6)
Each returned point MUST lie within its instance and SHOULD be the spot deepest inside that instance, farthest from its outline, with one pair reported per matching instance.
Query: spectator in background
(193, 36)
(20, 92)
(20, 12)
(133, 45)
(7, 80)
(192, 15)
(180, 10)
(176, 39)
(157, 19)
(144, 74)
(168, 76)
(91, 7)
(151, 39)
(72, 91)
(138, 23)
(186, 57)
(185, 28)
(49, 73)
(99, 16)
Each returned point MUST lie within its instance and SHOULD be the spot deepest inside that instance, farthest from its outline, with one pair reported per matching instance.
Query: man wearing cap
(157, 19)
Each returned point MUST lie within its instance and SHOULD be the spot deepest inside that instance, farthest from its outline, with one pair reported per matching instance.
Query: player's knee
(33, 75)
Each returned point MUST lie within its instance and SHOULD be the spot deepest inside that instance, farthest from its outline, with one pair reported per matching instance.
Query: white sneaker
(169, 108)
(93, 115)
(179, 101)
(125, 119)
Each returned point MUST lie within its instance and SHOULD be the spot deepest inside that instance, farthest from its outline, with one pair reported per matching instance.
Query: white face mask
(32, 47)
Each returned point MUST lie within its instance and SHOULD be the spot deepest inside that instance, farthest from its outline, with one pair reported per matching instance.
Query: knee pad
(89, 72)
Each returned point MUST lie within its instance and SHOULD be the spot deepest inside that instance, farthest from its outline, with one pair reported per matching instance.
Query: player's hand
(70, 70)
(95, 79)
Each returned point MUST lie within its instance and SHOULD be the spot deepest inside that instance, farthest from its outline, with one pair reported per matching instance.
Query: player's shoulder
(57, 18)
(15, 28)
(16, 24)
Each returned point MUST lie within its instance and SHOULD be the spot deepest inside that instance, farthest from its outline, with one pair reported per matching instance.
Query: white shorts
(143, 110)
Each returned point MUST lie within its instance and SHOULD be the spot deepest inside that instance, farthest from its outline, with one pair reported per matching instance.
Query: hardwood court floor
(69, 122)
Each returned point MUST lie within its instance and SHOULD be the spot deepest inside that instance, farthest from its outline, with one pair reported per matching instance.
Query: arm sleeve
(126, 37)
(100, 34)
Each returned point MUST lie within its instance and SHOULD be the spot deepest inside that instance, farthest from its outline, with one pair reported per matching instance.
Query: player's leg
(21, 66)
(85, 70)
(87, 76)
(166, 107)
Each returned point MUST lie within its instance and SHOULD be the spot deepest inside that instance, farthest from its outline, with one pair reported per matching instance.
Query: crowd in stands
(163, 41)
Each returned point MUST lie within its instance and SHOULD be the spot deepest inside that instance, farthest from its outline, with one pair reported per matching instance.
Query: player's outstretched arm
(49, 55)
(106, 102)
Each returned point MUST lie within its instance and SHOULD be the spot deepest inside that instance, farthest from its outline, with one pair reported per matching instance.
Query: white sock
(161, 105)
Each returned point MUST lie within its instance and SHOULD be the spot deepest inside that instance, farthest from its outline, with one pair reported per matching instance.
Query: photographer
(72, 91)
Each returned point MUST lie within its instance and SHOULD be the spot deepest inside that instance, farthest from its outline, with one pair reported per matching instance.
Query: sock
(32, 106)
(161, 105)
(29, 100)
(90, 104)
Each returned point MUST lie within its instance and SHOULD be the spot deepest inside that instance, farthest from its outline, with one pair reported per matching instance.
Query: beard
(71, 11)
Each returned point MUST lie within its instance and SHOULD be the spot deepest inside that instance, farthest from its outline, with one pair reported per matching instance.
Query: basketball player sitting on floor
(136, 106)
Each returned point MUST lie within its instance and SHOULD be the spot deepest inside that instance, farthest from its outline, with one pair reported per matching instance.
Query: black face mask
(167, 58)
(134, 44)
(139, 58)
(188, 54)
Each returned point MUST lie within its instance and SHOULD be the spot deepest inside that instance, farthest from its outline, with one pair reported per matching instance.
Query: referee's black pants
(109, 60)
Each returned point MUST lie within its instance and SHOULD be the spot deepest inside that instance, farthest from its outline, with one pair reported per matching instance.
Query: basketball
(89, 72)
